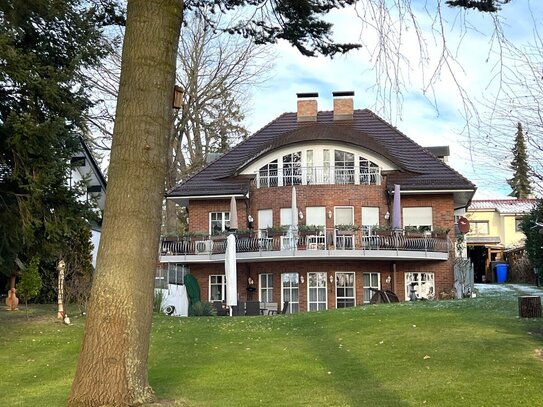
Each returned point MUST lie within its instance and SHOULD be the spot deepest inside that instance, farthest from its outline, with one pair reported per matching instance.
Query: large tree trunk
(112, 366)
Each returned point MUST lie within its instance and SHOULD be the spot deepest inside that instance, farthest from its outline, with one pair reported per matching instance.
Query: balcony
(318, 176)
(329, 244)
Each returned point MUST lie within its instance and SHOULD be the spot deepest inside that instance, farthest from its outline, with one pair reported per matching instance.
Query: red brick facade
(442, 273)
(329, 196)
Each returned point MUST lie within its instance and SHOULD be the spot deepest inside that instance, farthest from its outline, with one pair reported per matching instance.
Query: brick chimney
(343, 105)
(307, 107)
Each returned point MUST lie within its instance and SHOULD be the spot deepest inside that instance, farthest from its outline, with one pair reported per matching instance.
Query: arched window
(268, 174)
(369, 172)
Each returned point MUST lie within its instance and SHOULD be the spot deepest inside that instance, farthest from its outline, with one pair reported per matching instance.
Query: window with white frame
(316, 291)
(345, 290)
(315, 215)
(419, 286)
(176, 273)
(344, 167)
(290, 291)
(326, 166)
(268, 174)
(292, 168)
(370, 280)
(265, 218)
(343, 215)
(218, 222)
(478, 227)
(285, 216)
(217, 288)
(266, 287)
(370, 219)
(420, 217)
(369, 172)
(161, 276)
(310, 176)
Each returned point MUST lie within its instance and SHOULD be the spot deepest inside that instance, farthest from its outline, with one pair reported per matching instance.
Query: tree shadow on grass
(268, 361)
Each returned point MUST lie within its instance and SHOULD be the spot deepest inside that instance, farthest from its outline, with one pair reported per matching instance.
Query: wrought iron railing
(331, 240)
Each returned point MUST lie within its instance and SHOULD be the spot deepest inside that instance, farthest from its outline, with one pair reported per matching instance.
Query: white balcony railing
(318, 176)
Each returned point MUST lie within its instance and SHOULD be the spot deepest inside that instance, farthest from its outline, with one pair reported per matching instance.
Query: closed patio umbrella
(230, 267)
(293, 228)
(294, 208)
(233, 214)
(397, 209)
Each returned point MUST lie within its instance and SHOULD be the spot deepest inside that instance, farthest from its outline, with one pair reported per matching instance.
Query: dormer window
(318, 166)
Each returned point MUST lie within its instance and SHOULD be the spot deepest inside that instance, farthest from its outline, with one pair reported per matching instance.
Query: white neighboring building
(85, 167)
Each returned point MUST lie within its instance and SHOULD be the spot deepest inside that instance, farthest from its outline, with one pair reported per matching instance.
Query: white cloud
(468, 37)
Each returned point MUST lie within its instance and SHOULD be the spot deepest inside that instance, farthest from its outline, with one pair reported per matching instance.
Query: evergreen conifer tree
(45, 46)
(520, 183)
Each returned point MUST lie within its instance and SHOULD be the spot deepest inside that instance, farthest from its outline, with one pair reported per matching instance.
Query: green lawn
(437, 353)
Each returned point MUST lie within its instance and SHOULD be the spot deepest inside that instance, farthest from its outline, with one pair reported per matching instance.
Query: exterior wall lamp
(302, 280)
(331, 279)
(329, 214)
(301, 215)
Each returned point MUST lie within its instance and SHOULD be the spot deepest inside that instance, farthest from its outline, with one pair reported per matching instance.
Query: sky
(429, 115)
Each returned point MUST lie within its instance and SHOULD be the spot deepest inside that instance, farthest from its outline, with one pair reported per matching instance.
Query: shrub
(30, 284)
(203, 309)
(158, 301)
(521, 269)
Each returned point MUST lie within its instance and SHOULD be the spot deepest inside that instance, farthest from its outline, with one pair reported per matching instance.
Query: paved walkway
(511, 289)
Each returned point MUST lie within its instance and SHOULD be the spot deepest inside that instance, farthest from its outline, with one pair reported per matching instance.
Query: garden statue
(12, 301)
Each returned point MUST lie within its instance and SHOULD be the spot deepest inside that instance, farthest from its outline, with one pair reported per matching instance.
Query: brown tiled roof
(419, 169)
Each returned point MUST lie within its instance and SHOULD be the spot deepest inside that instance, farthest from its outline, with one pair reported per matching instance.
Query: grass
(471, 352)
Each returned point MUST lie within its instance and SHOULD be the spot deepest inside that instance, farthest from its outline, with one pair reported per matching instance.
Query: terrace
(325, 244)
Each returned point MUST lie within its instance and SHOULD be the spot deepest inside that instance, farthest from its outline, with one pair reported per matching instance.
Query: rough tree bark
(529, 306)
(112, 366)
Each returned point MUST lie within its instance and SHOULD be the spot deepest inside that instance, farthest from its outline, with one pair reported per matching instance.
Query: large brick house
(343, 165)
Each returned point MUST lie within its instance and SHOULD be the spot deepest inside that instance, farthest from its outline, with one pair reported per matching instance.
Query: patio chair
(239, 309)
(268, 307)
(252, 308)
(221, 311)
(282, 312)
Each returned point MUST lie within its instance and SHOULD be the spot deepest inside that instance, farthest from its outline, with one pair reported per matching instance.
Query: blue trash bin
(501, 273)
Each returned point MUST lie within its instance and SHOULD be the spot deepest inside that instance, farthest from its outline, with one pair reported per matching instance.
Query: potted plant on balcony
(413, 231)
(346, 229)
(440, 232)
(382, 230)
(305, 230)
(277, 231)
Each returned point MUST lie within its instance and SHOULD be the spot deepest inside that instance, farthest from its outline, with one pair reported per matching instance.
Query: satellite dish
(463, 225)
